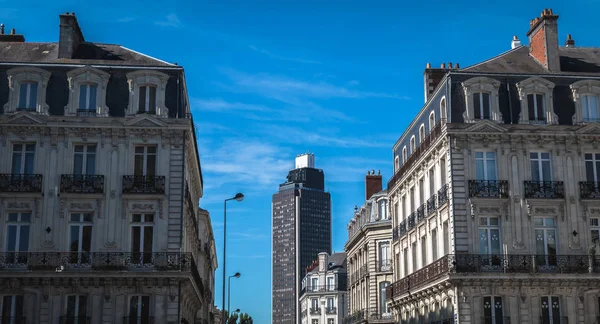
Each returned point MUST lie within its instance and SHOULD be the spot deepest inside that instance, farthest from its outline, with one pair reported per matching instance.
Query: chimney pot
(428, 66)
(450, 65)
(457, 66)
(570, 42)
(1, 29)
(13, 31)
(443, 65)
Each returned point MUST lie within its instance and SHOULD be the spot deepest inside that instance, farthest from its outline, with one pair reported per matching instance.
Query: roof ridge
(146, 55)
(493, 58)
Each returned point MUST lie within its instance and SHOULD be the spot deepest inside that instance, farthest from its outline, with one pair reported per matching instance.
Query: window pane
(145, 307)
(487, 308)
(593, 107)
(83, 89)
(547, 176)
(28, 163)
(535, 170)
(491, 168)
(589, 171)
(92, 99)
(531, 107)
(584, 107)
(477, 105)
(23, 95)
(555, 309)
(151, 165)
(479, 170)
(78, 164)
(90, 167)
(495, 241)
(142, 99)
(25, 217)
(138, 168)
(151, 149)
(82, 308)
(148, 230)
(540, 107)
(13, 217)
(16, 162)
(24, 238)
(71, 304)
(11, 238)
(483, 241)
(33, 95)
(135, 239)
(86, 239)
(486, 105)
(152, 99)
(74, 246)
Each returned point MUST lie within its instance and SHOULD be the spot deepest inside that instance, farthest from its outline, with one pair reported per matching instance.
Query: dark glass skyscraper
(301, 212)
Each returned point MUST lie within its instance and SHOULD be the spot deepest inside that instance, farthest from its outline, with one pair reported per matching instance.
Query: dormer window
(421, 133)
(147, 99)
(482, 105)
(413, 145)
(586, 95)
(27, 96)
(404, 155)
(147, 93)
(481, 99)
(431, 121)
(87, 95)
(27, 90)
(536, 101)
(537, 110)
(396, 163)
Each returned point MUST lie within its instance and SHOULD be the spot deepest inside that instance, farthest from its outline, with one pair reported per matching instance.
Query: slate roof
(86, 53)
(338, 259)
(573, 61)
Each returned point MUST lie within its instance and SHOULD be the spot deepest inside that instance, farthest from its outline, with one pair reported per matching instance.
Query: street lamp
(239, 197)
(237, 275)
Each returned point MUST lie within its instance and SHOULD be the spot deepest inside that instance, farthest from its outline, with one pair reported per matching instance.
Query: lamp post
(239, 197)
(237, 275)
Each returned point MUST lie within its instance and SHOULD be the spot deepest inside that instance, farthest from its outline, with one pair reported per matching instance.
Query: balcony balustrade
(545, 189)
(442, 195)
(411, 221)
(82, 183)
(330, 310)
(315, 311)
(402, 229)
(488, 188)
(322, 288)
(395, 234)
(368, 315)
(431, 208)
(589, 190)
(501, 263)
(424, 146)
(20, 182)
(86, 112)
(421, 213)
(137, 184)
(385, 265)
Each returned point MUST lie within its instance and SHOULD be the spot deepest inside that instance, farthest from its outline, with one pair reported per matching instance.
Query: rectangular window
(405, 258)
(87, 96)
(421, 192)
(28, 96)
(315, 321)
(537, 110)
(145, 161)
(595, 230)
(314, 303)
(545, 241)
(413, 250)
(330, 304)
(481, 105)
(330, 321)
(12, 308)
(431, 182)
(592, 167)
(412, 200)
(490, 241)
(314, 283)
(493, 310)
(17, 237)
(443, 175)
(142, 232)
(85, 159)
(385, 255)
(76, 309)
(147, 99)
(382, 297)
(423, 251)
(80, 232)
(589, 108)
(434, 245)
(550, 309)
(446, 237)
(485, 166)
(139, 310)
(330, 284)
(22, 158)
(540, 166)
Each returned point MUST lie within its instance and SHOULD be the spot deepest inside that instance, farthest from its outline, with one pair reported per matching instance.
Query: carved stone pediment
(145, 121)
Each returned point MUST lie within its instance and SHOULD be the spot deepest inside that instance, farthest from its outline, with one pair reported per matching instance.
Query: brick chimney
(433, 76)
(372, 183)
(12, 37)
(70, 36)
(543, 40)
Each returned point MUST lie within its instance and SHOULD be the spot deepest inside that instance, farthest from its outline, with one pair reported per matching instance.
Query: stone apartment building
(100, 182)
(370, 256)
(324, 295)
(496, 193)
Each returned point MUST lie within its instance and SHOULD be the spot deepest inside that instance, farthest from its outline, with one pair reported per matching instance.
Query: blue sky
(270, 79)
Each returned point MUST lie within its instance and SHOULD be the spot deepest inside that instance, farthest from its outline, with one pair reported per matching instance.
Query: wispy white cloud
(171, 20)
(126, 19)
(282, 58)
(221, 105)
(351, 168)
(320, 137)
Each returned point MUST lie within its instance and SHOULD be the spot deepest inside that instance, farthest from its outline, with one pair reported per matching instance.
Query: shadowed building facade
(301, 215)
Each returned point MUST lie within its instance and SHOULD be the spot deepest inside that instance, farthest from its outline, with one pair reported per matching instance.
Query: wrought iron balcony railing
(104, 261)
(13, 320)
(402, 229)
(315, 310)
(138, 320)
(442, 195)
(395, 234)
(385, 265)
(322, 288)
(500, 263)
(424, 146)
(545, 189)
(75, 320)
(82, 183)
(496, 320)
(488, 188)
(86, 112)
(364, 271)
(20, 182)
(589, 190)
(330, 310)
(431, 204)
(369, 314)
(421, 213)
(136, 184)
(411, 221)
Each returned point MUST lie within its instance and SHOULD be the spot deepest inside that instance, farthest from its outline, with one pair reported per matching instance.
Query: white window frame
(87, 75)
(76, 319)
(413, 144)
(431, 121)
(552, 319)
(594, 160)
(382, 215)
(536, 85)
(16, 76)
(493, 308)
(80, 223)
(396, 163)
(23, 154)
(142, 224)
(486, 224)
(145, 158)
(404, 155)
(140, 301)
(481, 84)
(595, 229)
(422, 134)
(579, 89)
(443, 108)
(539, 160)
(485, 160)
(85, 156)
(138, 79)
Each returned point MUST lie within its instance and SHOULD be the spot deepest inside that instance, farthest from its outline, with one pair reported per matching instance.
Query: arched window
(396, 164)
(147, 93)
(422, 133)
(443, 108)
(481, 99)
(404, 155)
(27, 90)
(383, 214)
(431, 121)
(413, 144)
(87, 96)
(382, 300)
(586, 95)
(536, 101)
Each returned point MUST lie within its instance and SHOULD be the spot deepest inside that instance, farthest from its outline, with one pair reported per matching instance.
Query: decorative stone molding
(484, 85)
(19, 205)
(87, 75)
(81, 206)
(16, 76)
(142, 78)
(580, 88)
(536, 85)
(142, 207)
